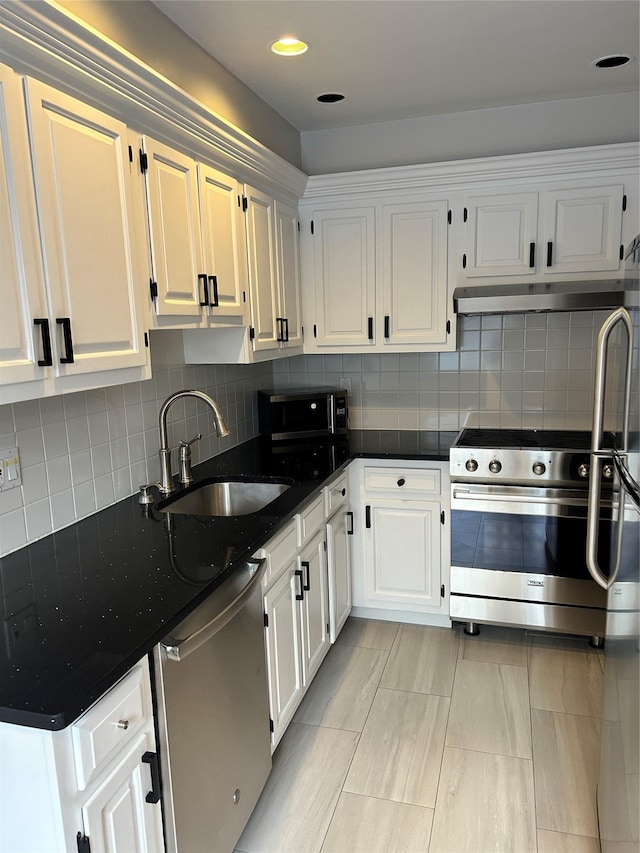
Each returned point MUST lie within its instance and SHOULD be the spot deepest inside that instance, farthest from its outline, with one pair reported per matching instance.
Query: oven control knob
(607, 471)
(583, 470)
(495, 467)
(539, 468)
(471, 465)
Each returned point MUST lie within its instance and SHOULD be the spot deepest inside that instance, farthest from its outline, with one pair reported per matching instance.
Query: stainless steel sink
(226, 498)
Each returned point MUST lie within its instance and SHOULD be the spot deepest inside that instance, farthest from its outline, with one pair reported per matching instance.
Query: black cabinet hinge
(448, 327)
(315, 331)
(146, 339)
(442, 517)
(252, 333)
(621, 253)
(270, 725)
(328, 629)
(312, 226)
(442, 591)
(266, 620)
(83, 842)
(325, 544)
(449, 217)
(245, 203)
(244, 295)
(624, 202)
(298, 225)
(153, 288)
(239, 201)
(464, 262)
(131, 154)
(464, 215)
(144, 161)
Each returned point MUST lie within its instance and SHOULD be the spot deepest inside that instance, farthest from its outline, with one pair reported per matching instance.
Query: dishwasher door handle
(178, 650)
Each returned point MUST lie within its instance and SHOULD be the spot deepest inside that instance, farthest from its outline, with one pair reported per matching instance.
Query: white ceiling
(397, 59)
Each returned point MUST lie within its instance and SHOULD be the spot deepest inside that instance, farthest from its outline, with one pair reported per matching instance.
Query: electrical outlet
(10, 474)
(345, 383)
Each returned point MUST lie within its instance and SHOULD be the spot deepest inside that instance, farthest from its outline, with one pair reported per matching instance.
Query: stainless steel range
(518, 531)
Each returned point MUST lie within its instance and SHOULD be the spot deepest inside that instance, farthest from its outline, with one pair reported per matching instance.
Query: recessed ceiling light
(330, 98)
(289, 46)
(615, 60)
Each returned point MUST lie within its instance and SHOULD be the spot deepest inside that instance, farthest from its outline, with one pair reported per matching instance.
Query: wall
(572, 123)
(142, 29)
(533, 370)
(82, 452)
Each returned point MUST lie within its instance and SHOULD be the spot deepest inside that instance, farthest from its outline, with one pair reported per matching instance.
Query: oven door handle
(489, 496)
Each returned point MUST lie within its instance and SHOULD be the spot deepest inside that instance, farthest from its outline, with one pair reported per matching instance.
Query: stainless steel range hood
(543, 297)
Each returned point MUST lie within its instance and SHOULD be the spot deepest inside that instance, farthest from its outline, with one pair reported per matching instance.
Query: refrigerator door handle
(597, 451)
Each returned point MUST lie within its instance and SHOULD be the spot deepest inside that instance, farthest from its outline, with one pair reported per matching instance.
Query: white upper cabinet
(22, 281)
(224, 244)
(174, 231)
(377, 277)
(288, 254)
(559, 231)
(71, 264)
(343, 276)
(414, 273)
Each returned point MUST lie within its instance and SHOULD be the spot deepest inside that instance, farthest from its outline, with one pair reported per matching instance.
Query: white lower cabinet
(307, 598)
(401, 542)
(92, 786)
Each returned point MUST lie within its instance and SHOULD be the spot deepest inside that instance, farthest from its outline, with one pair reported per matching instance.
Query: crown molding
(43, 40)
(606, 160)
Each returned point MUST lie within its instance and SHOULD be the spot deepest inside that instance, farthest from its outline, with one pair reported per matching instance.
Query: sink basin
(227, 497)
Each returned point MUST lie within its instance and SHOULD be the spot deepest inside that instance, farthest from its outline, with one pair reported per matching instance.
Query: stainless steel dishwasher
(213, 717)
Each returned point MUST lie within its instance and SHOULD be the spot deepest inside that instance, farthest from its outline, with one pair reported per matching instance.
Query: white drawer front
(279, 552)
(310, 520)
(336, 494)
(399, 481)
(109, 725)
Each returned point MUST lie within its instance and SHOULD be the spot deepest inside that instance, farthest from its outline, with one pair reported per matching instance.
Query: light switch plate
(10, 473)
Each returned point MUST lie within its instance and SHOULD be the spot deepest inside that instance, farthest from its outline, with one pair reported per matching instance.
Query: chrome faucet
(166, 480)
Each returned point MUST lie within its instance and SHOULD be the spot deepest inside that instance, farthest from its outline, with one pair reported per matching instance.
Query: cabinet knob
(401, 481)
(123, 724)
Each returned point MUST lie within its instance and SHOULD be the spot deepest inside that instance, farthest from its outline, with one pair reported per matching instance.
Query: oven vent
(543, 297)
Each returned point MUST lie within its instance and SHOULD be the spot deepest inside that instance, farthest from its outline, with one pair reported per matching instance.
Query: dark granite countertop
(83, 605)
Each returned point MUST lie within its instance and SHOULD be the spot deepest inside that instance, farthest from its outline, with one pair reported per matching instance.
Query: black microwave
(309, 413)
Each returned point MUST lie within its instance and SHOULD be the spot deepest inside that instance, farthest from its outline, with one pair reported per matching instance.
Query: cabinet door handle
(305, 565)
(343, 492)
(386, 325)
(370, 328)
(549, 253)
(367, 516)
(300, 595)
(285, 321)
(151, 758)
(214, 286)
(350, 527)
(205, 288)
(401, 481)
(65, 322)
(46, 360)
(532, 255)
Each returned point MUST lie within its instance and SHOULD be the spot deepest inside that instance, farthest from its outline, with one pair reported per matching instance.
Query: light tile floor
(424, 740)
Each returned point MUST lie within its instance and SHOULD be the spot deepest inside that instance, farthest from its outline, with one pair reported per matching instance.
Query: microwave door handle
(331, 411)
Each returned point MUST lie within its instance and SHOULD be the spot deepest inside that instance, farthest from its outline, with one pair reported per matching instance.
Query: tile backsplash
(512, 370)
(84, 451)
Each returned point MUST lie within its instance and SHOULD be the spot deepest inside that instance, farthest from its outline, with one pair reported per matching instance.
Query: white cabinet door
(314, 622)
(501, 234)
(261, 248)
(403, 554)
(414, 272)
(22, 294)
(339, 573)
(84, 189)
(174, 230)
(345, 276)
(224, 243)
(288, 275)
(583, 229)
(283, 646)
(117, 818)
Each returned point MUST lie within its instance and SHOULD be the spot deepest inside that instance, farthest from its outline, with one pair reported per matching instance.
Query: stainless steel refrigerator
(617, 414)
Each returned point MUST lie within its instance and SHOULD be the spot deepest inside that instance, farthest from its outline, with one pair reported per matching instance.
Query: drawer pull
(123, 724)
(151, 758)
(401, 481)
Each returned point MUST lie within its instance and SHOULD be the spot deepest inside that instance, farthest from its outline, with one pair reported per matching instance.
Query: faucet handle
(185, 460)
(184, 444)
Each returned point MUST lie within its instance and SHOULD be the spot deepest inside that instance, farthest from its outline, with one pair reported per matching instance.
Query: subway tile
(62, 509)
(78, 433)
(470, 361)
(81, 469)
(491, 361)
(84, 499)
(55, 440)
(34, 483)
(38, 519)
(75, 405)
(534, 360)
(26, 415)
(491, 321)
(13, 531)
(535, 321)
(491, 340)
(514, 321)
(58, 474)
(52, 409)
(535, 339)
(469, 341)
(7, 424)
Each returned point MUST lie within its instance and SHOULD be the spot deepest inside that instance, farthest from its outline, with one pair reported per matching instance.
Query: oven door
(518, 557)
